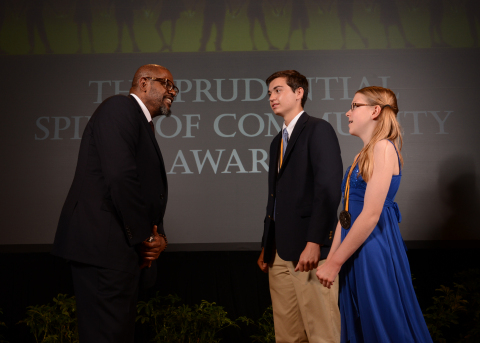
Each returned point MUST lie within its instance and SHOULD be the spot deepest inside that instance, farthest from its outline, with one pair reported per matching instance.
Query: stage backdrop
(61, 59)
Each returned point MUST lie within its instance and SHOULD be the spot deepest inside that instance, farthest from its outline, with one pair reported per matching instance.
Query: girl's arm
(385, 160)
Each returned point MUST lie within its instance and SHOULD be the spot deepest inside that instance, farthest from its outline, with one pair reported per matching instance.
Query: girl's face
(360, 116)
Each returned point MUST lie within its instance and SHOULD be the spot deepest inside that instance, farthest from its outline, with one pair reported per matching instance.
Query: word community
(231, 125)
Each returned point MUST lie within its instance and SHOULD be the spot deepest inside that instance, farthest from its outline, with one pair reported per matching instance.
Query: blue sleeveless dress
(377, 300)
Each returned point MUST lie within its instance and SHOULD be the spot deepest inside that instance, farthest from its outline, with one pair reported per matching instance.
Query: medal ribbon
(347, 185)
(283, 147)
(281, 155)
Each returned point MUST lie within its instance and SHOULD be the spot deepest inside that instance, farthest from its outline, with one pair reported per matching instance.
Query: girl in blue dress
(377, 300)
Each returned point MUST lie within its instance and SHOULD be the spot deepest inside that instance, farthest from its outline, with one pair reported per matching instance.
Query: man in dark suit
(111, 225)
(304, 180)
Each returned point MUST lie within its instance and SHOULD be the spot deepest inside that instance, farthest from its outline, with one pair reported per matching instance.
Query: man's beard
(165, 111)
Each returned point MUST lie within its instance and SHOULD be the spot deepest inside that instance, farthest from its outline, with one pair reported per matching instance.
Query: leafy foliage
(2, 339)
(444, 312)
(55, 322)
(174, 322)
(455, 314)
(265, 327)
(470, 280)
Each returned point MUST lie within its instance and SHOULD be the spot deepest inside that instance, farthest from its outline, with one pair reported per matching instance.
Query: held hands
(327, 272)
(263, 266)
(309, 258)
(149, 251)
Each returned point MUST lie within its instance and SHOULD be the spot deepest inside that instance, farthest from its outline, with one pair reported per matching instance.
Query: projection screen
(216, 143)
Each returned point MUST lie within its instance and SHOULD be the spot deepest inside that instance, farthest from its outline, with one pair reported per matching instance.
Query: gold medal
(345, 219)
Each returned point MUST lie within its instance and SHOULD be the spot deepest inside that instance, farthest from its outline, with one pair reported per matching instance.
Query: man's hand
(263, 266)
(309, 258)
(327, 272)
(149, 251)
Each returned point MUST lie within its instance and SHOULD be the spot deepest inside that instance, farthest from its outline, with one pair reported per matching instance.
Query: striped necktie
(283, 145)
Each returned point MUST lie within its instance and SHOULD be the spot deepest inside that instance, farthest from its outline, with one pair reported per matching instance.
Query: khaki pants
(303, 310)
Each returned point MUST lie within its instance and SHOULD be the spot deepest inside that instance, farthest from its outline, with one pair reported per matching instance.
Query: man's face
(283, 99)
(158, 97)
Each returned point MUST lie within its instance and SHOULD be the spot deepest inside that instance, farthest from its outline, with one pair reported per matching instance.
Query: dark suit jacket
(119, 190)
(307, 190)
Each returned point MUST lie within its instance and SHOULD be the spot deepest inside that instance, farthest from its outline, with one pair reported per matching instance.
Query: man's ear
(299, 93)
(142, 84)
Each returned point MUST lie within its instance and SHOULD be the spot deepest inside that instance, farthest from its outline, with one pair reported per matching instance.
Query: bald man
(111, 225)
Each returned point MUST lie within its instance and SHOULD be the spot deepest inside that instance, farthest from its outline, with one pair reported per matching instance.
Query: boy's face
(283, 100)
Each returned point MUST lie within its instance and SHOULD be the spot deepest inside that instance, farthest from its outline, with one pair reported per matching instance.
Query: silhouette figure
(345, 14)
(436, 9)
(213, 14)
(299, 20)
(472, 8)
(389, 16)
(255, 12)
(83, 15)
(34, 16)
(169, 11)
(3, 12)
(124, 14)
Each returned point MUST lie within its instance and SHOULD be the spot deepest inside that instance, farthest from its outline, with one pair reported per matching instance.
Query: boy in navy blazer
(304, 191)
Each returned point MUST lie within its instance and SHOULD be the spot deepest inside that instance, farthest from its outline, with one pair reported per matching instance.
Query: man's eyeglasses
(356, 104)
(166, 83)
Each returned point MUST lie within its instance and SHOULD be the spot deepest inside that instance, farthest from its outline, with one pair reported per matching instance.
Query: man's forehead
(279, 81)
(163, 73)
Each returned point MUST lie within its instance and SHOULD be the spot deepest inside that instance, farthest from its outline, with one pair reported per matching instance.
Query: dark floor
(231, 279)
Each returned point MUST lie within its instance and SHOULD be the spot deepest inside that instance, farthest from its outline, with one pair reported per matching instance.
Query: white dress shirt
(144, 108)
(291, 126)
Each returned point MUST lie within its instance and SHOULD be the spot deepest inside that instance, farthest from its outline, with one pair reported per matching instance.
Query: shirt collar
(144, 108)
(291, 126)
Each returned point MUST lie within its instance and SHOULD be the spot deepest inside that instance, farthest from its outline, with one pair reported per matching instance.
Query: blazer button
(161, 196)
(271, 195)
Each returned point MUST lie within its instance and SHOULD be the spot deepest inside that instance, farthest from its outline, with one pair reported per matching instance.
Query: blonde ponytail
(387, 127)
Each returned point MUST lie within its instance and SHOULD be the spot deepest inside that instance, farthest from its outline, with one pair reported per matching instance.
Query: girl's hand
(327, 273)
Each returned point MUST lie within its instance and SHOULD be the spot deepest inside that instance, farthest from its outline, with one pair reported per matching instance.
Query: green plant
(445, 311)
(265, 327)
(2, 339)
(470, 321)
(174, 322)
(55, 322)
(455, 315)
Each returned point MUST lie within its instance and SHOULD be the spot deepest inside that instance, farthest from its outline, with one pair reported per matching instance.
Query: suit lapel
(299, 126)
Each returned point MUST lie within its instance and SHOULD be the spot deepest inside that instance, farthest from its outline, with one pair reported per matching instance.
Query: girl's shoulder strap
(398, 157)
